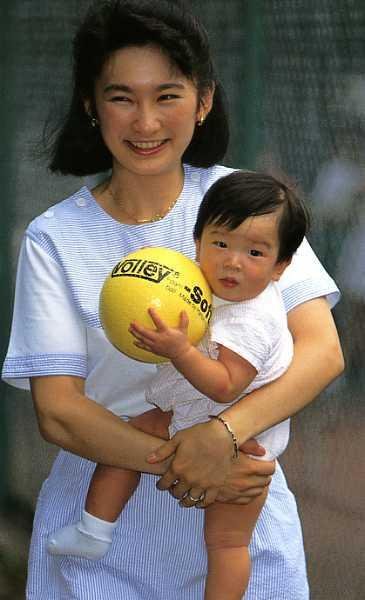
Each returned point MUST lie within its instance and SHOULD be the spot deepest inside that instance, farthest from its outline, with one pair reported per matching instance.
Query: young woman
(147, 106)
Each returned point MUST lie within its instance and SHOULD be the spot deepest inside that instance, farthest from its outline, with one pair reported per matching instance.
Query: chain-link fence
(294, 73)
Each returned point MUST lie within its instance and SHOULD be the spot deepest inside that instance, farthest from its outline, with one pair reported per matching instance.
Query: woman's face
(147, 110)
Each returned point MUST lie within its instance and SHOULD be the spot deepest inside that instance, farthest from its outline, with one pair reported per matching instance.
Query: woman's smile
(147, 148)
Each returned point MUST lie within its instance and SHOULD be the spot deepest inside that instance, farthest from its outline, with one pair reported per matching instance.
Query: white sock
(90, 538)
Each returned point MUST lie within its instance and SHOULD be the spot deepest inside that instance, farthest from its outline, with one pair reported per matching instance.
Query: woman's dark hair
(235, 197)
(78, 148)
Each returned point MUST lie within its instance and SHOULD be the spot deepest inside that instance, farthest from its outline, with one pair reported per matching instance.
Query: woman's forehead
(140, 63)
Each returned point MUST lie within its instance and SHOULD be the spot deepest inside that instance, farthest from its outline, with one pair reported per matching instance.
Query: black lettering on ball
(196, 294)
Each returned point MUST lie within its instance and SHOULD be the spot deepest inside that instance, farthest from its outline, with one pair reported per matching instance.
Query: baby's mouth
(229, 281)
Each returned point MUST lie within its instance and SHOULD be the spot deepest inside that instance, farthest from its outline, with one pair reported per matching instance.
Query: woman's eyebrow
(120, 87)
(172, 84)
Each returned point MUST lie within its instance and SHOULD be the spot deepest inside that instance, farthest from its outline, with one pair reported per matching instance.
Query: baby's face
(240, 263)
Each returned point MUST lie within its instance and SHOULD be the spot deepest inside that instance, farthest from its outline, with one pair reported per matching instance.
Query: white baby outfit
(257, 331)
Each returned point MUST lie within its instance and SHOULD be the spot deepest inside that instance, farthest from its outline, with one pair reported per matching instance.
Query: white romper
(257, 331)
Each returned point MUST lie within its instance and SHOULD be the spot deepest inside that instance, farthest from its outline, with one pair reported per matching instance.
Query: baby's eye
(253, 252)
(220, 244)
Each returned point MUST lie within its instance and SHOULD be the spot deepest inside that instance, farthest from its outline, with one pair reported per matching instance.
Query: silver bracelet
(231, 433)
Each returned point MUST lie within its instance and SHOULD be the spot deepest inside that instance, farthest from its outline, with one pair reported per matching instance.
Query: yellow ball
(158, 278)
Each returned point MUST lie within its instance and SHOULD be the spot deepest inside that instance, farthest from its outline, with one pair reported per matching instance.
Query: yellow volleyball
(153, 277)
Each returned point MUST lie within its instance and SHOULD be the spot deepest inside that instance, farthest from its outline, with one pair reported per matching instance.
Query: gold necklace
(153, 219)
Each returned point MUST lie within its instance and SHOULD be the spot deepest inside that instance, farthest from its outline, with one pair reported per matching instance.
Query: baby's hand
(171, 342)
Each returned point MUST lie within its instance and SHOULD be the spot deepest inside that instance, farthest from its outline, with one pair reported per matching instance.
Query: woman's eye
(253, 252)
(168, 97)
(220, 244)
(121, 99)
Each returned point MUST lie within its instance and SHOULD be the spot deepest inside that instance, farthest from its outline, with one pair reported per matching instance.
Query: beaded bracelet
(231, 433)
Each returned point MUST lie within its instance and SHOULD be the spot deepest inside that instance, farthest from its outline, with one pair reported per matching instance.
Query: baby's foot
(90, 538)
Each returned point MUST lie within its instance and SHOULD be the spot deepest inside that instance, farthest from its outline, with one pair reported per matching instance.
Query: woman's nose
(147, 120)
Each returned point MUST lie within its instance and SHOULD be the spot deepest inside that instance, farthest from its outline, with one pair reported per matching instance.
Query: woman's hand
(248, 479)
(203, 462)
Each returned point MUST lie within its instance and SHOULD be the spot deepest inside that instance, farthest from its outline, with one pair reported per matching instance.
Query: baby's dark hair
(235, 197)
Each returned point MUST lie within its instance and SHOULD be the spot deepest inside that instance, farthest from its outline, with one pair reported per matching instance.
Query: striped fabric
(158, 551)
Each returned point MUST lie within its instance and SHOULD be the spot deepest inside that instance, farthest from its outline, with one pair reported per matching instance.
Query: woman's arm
(75, 423)
(317, 361)
(69, 419)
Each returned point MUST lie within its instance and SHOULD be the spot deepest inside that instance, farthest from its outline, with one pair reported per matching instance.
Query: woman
(146, 104)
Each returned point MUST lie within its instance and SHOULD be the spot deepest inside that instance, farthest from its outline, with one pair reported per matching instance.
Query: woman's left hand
(202, 461)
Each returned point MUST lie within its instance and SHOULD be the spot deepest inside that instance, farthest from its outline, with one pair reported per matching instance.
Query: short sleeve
(48, 336)
(245, 331)
(305, 279)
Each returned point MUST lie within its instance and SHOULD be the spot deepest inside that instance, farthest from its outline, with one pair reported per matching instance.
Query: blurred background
(294, 72)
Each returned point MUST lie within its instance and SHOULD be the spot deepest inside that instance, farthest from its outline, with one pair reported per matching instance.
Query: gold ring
(201, 497)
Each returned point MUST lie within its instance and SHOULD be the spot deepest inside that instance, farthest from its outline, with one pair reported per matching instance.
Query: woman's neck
(136, 199)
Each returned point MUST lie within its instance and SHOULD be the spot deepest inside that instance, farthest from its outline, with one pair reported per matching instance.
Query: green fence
(294, 76)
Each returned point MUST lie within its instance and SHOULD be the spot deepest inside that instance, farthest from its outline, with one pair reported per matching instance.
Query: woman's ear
(205, 104)
(90, 112)
(87, 107)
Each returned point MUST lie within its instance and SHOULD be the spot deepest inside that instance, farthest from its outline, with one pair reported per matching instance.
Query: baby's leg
(121, 483)
(228, 530)
(91, 537)
(155, 422)
(109, 491)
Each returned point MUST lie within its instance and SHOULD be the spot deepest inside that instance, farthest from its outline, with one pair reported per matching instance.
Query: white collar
(216, 301)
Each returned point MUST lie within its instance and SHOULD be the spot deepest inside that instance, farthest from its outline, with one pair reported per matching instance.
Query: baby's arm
(223, 379)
